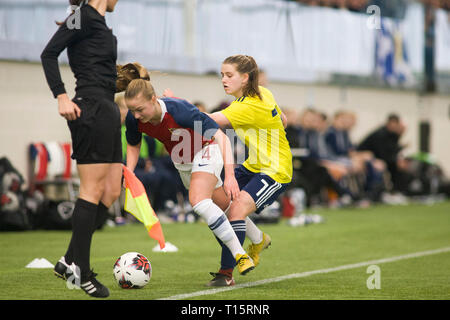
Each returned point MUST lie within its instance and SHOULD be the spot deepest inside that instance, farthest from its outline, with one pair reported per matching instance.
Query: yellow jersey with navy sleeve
(258, 124)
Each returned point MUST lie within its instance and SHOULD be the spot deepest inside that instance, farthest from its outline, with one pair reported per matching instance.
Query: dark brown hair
(246, 64)
(127, 73)
(393, 117)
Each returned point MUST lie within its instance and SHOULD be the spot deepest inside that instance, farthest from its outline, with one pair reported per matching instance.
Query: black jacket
(92, 52)
(383, 143)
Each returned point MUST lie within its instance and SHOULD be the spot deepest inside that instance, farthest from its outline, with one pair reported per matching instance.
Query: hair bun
(128, 72)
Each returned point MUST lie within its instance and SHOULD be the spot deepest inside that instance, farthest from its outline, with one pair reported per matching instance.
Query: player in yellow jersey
(265, 174)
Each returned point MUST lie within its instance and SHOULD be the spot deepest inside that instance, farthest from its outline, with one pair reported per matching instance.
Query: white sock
(253, 232)
(219, 225)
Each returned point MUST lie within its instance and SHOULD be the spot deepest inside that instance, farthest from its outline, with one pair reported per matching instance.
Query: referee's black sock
(69, 253)
(100, 218)
(83, 219)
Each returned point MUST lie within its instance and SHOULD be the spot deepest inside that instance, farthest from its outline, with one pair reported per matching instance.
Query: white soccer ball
(132, 270)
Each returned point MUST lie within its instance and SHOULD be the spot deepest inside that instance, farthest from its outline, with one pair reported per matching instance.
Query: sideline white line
(306, 274)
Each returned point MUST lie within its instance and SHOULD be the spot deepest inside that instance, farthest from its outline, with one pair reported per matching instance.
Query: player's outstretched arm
(221, 120)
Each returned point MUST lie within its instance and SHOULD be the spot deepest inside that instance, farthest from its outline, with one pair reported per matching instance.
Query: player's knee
(221, 200)
(240, 209)
(195, 198)
(93, 191)
(113, 191)
(116, 194)
(233, 216)
(110, 195)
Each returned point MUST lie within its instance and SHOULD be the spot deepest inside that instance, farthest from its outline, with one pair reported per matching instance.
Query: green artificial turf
(346, 237)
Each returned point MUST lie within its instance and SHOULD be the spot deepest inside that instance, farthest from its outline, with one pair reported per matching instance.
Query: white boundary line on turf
(306, 274)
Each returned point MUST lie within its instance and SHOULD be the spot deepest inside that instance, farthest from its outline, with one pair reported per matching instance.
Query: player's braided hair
(129, 72)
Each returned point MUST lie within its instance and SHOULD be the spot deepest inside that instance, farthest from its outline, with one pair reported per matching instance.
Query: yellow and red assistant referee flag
(137, 203)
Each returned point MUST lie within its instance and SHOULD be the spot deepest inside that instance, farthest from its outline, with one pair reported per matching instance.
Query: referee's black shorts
(96, 134)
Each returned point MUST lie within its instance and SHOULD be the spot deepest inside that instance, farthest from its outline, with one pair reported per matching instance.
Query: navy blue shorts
(262, 188)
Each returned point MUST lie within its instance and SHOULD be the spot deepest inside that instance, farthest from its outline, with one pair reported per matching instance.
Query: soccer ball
(132, 270)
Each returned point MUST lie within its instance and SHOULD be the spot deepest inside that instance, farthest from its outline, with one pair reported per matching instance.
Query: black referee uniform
(92, 52)
(96, 134)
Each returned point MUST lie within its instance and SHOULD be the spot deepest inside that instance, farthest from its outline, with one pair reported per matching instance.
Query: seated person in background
(384, 144)
(338, 139)
(307, 124)
(262, 78)
(337, 167)
(310, 174)
(292, 127)
(362, 162)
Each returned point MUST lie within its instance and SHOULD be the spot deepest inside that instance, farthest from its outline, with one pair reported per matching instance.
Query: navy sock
(227, 260)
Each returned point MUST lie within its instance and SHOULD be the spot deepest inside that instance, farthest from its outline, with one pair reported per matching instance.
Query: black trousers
(312, 177)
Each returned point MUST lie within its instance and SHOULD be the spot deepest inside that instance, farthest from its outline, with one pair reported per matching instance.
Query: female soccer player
(265, 174)
(199, 151)
(94, 122)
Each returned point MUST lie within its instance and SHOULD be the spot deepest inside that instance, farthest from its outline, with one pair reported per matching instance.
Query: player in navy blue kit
(199, 151)
(94, 122)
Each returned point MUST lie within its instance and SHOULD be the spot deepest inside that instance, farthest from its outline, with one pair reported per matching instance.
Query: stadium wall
(28, 112)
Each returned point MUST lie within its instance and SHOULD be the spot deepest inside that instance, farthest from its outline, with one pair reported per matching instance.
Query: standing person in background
(94, 122)
(265, 174)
